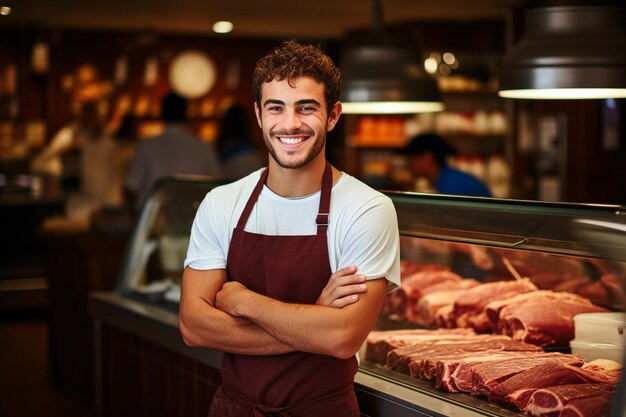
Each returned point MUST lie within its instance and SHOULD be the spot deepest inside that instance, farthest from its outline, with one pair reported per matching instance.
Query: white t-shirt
(362, 230)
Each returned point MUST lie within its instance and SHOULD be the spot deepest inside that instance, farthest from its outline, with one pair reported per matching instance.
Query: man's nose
(291, 120)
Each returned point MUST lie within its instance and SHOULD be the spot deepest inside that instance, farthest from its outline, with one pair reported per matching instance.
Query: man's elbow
(346, 345)
(188, 336)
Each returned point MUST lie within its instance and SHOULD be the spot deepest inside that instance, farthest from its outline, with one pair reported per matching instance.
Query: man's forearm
(216, 329)
(313, 328)
(201, 324)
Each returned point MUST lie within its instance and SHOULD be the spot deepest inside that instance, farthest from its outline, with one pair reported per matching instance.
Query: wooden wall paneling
(78, 263)
(144, 379)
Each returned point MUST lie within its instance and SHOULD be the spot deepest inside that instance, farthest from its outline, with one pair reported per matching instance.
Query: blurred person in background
(125, 134)
(87, 139)
(175, 151)
(238, 154)
(427, 157)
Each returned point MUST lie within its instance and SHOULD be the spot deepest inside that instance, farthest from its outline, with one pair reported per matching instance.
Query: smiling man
(287, 268)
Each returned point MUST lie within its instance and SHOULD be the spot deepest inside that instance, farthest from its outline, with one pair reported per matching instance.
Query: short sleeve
(372, 242)
(204, 251)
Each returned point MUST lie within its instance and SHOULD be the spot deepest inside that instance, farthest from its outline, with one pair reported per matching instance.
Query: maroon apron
(293, 269)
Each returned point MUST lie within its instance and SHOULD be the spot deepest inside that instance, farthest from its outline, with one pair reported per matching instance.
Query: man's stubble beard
(312, 154)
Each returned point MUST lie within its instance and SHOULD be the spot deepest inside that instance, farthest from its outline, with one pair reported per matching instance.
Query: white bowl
(601, 327)
(590, 351)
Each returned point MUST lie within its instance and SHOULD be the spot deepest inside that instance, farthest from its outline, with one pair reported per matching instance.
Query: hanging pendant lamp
(568, 52)
(384, 77)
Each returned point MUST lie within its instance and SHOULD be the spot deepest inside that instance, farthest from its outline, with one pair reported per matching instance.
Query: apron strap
(243, 219)
(324, 207)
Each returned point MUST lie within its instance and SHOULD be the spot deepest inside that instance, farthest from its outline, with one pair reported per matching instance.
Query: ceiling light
(5, 10)
(223, 26)
(381, 76)
(568, 52)
(431, 65)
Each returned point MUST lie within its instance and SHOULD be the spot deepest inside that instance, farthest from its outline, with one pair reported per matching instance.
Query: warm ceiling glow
(391, 107)
(449, 58)
(431, 65)
(565, 93)
(5, 10)
(223, 26)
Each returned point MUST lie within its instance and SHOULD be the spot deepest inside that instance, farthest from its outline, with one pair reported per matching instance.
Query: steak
(548, 402)
(545, 320)
(469, 311)
(517, 390)
(485, 377)
(418, 361)
(399, 359)
(395, 302)
(587, 407)
(379, 343)
(458, 375)
(430, 366)
(430, 304)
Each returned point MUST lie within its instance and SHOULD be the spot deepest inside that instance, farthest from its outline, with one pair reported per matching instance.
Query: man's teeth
(290, 141)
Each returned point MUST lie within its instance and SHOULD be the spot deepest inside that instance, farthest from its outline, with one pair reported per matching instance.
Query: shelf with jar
(479, 136)
(385, 131)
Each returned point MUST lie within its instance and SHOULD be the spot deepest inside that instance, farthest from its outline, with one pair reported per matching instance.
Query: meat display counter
(499, 286)
(462, 243)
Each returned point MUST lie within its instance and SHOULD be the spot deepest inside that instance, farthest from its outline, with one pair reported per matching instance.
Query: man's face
(294, 120)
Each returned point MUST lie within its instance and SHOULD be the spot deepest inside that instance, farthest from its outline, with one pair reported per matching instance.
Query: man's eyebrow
(299, 102)
(308, 101)
(273, 101)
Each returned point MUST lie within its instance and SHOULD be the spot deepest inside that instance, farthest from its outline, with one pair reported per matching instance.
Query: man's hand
(231, 295)
(343, 288)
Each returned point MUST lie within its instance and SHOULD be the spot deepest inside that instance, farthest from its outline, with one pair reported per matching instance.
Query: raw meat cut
(458, 374)
(413, 286)
(430, 366)
(587, 407)
(469, 311)
(417, 361)
(484, 377)
(435, 297)
(430, 304)
(379, 343)
(517, 390)
(399, 358)
(614, 285)
(548, 402)
(544, 320)
(494, 308)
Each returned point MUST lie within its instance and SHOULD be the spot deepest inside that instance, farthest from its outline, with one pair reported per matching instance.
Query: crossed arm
(229, 317)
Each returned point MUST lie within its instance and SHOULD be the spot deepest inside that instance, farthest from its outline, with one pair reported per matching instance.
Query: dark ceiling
(319, 19)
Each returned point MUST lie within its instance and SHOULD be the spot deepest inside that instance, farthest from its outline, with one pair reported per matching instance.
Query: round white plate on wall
(192, 73)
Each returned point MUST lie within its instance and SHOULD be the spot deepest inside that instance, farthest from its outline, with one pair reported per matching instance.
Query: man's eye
(274, 108)
(307, 109)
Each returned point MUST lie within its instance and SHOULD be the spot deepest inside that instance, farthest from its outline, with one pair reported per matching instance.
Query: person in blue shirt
(427, 156)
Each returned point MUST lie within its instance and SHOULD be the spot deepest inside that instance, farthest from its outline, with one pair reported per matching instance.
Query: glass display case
(153, 263)
(451, 247)
(501, 281)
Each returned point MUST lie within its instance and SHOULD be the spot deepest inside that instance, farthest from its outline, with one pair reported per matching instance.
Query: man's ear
(333, 115)
(257, 112)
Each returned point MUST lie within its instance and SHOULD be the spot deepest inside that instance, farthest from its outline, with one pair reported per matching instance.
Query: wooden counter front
(143, 368)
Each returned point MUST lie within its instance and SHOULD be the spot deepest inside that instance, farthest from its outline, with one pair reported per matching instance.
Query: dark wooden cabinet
(142, 378)
(78, 263)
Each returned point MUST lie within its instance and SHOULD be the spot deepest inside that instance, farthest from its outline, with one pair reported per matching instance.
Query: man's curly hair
(292, 60)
